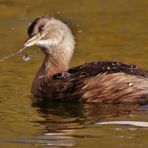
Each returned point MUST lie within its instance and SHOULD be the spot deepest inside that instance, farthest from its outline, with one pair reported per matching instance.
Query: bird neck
(57, 55)
(53, 65)
(56, 61)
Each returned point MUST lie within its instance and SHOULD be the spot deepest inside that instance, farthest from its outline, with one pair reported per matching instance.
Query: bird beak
(33, 40)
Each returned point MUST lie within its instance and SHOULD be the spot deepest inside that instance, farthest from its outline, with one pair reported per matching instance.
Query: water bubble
(79, 31)
(26, 58)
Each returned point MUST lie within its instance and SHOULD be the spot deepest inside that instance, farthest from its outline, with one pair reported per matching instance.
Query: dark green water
(114, 30)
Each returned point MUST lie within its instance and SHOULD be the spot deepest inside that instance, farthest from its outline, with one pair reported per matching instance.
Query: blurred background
(115, 30)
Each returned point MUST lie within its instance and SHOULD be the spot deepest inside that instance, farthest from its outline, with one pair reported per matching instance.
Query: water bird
(101, 82)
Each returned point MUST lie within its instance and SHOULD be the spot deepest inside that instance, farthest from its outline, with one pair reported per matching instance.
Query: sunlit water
(105, 30)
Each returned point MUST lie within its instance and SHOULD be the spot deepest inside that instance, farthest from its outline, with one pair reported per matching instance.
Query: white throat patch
(47, 43)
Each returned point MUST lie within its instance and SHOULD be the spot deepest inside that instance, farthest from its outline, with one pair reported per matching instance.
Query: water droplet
(26, 58)
(79, 31)
(130, 84)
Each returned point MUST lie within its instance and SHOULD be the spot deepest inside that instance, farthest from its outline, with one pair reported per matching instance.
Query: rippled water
(105, 30)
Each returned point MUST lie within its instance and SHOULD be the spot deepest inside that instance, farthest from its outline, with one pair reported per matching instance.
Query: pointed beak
(33, 40)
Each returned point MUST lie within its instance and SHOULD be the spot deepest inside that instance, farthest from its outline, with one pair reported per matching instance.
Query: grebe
(104, 82)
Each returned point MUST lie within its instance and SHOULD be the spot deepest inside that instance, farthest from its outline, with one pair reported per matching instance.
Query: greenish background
(114, 30)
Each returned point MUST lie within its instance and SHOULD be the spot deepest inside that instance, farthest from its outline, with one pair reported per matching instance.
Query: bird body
(103, 82)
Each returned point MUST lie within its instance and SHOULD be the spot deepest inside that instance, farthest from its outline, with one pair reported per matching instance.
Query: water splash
(12, 54)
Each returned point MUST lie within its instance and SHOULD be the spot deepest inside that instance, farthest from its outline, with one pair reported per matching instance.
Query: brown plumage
(105, 82)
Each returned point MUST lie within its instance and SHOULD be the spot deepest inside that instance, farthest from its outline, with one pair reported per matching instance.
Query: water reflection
(63, 121)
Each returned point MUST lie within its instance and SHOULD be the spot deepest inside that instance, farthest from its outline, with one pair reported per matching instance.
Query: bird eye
(41, 28)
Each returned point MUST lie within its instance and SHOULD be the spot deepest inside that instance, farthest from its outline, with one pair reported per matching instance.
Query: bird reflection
(64, 120)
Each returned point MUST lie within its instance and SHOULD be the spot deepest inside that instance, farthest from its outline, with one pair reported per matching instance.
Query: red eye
(41, 28)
